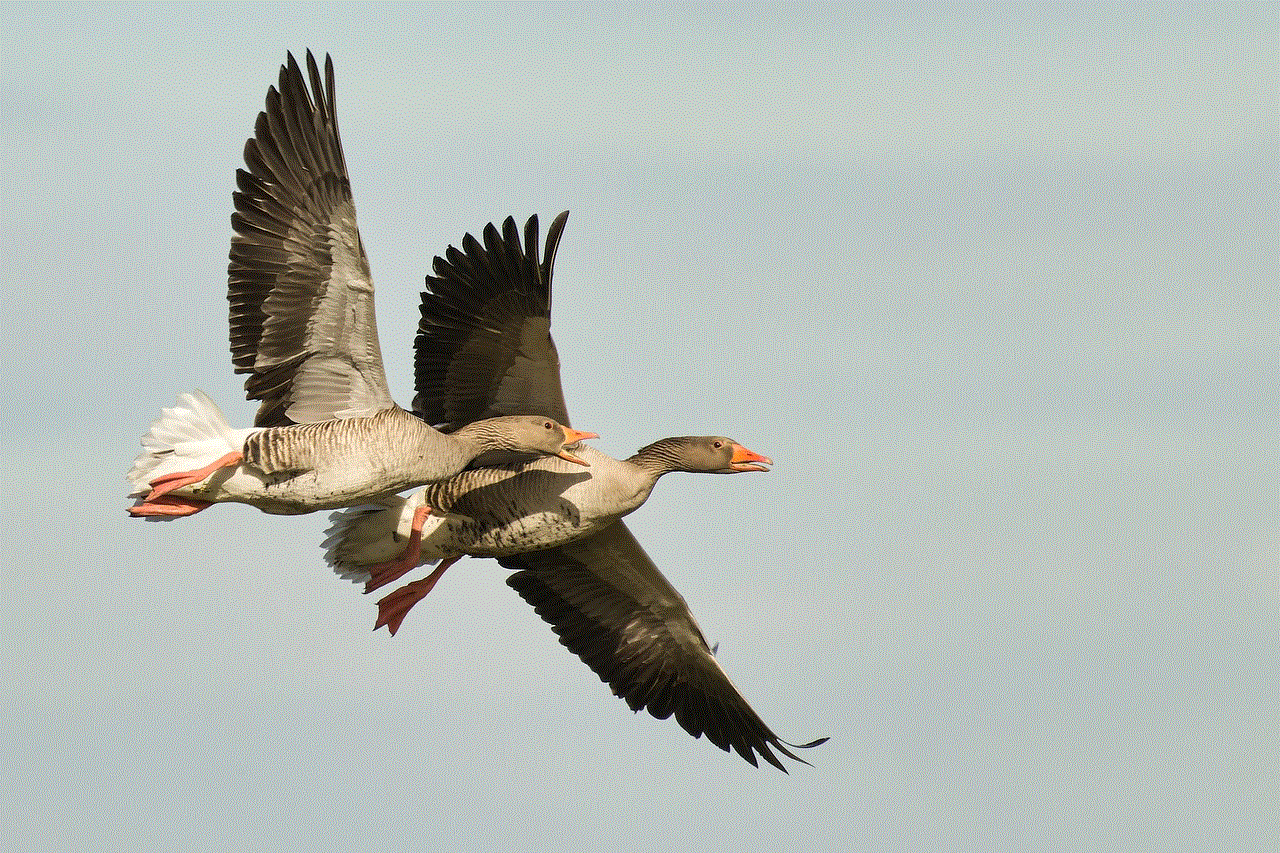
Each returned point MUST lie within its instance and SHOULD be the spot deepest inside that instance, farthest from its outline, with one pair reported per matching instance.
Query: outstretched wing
(302, 318)
(484, 344)
(611, 607)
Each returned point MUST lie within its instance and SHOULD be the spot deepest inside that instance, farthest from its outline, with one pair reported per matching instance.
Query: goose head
(710, 454)
(536, 434)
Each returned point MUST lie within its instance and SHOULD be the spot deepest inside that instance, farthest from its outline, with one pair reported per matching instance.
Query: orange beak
(573, 436)
(742, 460)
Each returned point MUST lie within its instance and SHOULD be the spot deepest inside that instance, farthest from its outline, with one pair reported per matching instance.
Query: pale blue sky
(995, 288)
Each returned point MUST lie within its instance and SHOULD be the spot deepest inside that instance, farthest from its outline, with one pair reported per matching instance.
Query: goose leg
(393, 608)
(161, 486)
(382, 574)
(168, 505)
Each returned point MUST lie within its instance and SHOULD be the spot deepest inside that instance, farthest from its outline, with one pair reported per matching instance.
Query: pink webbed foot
(168, 505)
(161, 486)
(382, 574)
(393, 608)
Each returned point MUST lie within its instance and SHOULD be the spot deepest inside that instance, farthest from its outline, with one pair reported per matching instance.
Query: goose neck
(480, 436)
(661, 457)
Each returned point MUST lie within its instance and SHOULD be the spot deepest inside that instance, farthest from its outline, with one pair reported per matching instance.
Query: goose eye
(717, 444)
(547, 425)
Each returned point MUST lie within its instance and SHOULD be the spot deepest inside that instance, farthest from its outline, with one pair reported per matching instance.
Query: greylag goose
(327, 433)
(484, 349)
(501, 511)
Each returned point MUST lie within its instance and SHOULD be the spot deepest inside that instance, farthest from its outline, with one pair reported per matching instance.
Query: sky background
(995, 288)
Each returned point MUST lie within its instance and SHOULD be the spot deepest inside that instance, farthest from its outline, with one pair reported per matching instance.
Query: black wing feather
(611, 606)
(484, 345)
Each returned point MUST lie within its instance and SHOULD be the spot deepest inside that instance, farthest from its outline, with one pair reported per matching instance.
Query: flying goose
(484, 349)
(507, 510)
(327, 433)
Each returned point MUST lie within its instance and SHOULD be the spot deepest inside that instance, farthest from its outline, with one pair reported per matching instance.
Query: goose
(506, 510)
(484, 349)
(327, 433)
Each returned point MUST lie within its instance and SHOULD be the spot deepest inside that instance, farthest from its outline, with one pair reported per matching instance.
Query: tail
(190, 435)
(363, 536)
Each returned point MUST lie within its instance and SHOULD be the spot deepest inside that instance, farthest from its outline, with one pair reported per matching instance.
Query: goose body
(328, 464)
(513, 509)
(491, 512)
(327, 433)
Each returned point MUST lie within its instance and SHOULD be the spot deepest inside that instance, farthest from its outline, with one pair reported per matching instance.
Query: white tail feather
(188, 436)
(363, 536)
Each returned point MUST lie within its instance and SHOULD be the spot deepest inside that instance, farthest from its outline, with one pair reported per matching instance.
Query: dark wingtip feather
(553, 242)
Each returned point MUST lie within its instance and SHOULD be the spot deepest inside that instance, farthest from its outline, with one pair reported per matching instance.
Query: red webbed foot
(168, 505)
(393, 608)
(161, 486)
(382, 574)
